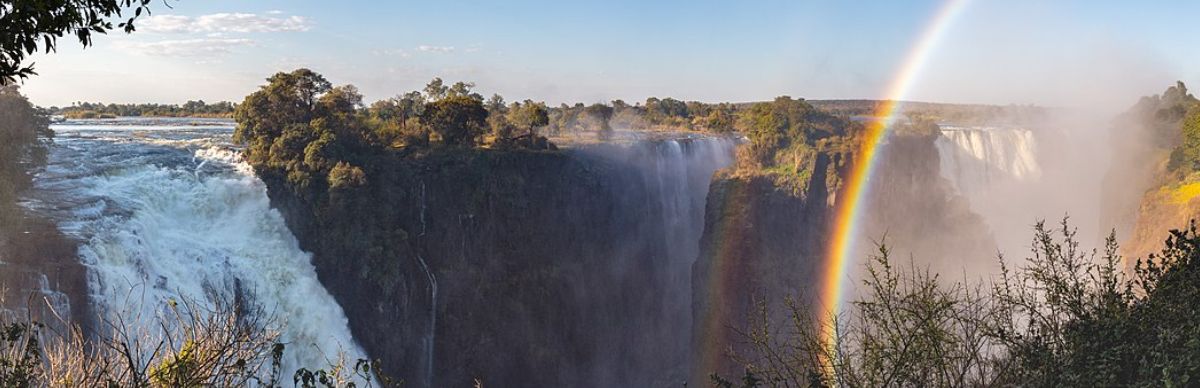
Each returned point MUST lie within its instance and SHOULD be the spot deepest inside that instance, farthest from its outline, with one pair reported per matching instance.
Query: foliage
(1066, 317)
(1185, 158)
(345, 175)
(1160, 116)
(302, 126)
(529, 116)
(602, 115)
(30, 24)
(189, 345)
(88, 110)
(22, 130)
(961, 114)
(459, 120)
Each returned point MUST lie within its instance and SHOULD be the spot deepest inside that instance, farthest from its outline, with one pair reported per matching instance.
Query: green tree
(288, 101)
(464, 89)
(720, 119)
(782, 130)
(1186, 157)
(497, 119)
(530, 116)
(436, 89)
(458, 120)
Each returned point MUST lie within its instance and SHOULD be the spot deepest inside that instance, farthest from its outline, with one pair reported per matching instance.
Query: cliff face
(41, 274)
(761, 242)
(917, 213)
(764, 243)
(1148, 190)
(516, 268)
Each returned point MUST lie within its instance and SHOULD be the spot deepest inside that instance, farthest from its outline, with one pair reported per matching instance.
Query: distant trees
(89, 110)
(601, 114)
(30, 25)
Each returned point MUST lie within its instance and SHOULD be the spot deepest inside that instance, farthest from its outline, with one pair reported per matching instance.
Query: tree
(286, 102)
(1186, 157)
(530, 116)
(457, 119)
(719, 119)
(435, 89)
(602, 114)
(498, 119)
(26, 25)
(464, 89)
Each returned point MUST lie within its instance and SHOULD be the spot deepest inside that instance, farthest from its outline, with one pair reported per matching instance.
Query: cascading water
(168, 212)
(974, 159)
(675, 175)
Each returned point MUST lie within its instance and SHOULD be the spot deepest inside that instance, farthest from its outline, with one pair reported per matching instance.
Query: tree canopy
(457, 118)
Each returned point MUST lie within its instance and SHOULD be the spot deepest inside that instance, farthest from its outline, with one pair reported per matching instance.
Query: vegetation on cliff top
(314, 134)
(788, 136)
(1170, 125)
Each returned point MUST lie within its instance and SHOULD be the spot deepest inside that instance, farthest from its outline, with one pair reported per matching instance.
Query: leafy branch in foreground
(26, 25)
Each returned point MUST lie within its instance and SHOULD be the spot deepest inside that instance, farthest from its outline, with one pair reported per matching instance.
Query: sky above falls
(1063, 53)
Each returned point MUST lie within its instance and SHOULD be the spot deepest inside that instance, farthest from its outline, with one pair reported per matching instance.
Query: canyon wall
(517, 268)
(764, 241)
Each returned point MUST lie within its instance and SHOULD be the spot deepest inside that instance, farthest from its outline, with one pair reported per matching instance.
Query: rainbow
(848, 208)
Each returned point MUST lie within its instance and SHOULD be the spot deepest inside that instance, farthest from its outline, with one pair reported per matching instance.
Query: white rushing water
(169, 212)
(975, 159)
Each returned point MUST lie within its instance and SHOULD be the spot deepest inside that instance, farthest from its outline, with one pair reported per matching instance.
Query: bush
(221, 345)
(345, 175)
(1066, 317)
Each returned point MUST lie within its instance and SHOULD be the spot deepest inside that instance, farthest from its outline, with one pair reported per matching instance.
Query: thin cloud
(391, 53)
(435, 49)
(205, 47)
(224, 22)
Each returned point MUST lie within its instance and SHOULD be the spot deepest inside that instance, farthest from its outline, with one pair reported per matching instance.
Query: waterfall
(175, 215)
(974, 159)
(430, 336)
(667, 182)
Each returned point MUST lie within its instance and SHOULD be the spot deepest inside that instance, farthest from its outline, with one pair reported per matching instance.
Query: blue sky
(1012, 51)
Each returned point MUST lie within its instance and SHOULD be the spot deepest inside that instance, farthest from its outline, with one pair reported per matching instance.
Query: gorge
(626, 262)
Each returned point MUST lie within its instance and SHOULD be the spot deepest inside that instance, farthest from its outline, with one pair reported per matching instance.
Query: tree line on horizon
(191, 108)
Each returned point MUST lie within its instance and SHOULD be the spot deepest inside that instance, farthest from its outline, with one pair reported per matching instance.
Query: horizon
(223, 50)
